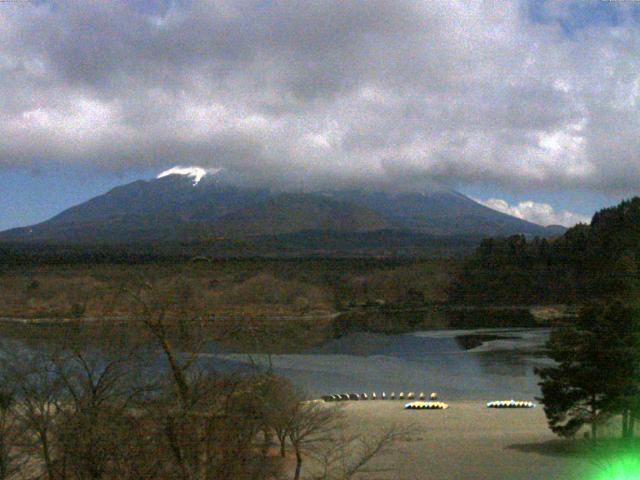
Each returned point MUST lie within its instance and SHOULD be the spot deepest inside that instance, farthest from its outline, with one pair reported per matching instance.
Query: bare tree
(12, 458)
(278, 408)
(72, 402)
(99, 390)
(318, 432)
(257, 337)
(311, 424)
(169, 313)
(346, 456)
(208, 422)
(87, 417)
(38, 401)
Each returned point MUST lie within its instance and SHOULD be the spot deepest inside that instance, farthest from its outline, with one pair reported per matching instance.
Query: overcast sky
(531, 107)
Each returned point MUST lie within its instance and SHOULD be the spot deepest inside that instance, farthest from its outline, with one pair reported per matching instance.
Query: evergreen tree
(597, 370)
(600, 260)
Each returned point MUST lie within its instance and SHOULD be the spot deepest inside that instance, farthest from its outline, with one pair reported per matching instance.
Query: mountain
(296, 212)
(191, 205)
(444, 213)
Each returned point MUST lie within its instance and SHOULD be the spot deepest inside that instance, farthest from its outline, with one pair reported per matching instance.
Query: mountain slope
(295, 212)
(443, 213)
(176, 207)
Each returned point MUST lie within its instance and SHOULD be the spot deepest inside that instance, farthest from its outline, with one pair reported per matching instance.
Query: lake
(500, 364)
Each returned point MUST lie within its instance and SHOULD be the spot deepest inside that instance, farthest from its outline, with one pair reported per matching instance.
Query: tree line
(599, 260)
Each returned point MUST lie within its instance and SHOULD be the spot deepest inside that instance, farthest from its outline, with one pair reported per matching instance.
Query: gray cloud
(402, 93)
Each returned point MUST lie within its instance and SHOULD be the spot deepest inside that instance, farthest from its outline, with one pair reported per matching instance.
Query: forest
(599, 260)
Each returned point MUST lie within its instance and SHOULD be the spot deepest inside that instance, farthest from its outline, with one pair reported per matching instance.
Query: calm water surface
(421, 361)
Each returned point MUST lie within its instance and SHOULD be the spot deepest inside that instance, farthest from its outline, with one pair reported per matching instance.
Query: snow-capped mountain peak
(197, 173)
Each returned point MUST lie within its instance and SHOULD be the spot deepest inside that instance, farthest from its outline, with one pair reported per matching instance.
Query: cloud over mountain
(337, 92)
(540, 213)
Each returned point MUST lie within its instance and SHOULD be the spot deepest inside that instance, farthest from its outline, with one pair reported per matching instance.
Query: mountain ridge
(174, 207)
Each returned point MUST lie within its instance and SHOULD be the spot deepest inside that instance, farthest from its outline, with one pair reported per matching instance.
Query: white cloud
(540, 213)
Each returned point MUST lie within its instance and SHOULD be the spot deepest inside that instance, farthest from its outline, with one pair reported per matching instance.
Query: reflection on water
(500, 364)
(423, 361)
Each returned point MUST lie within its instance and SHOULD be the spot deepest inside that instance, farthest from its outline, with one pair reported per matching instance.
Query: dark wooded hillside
(599, 260)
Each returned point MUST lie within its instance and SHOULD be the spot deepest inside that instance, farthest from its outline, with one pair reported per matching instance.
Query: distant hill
(194, 207)
(587, 262)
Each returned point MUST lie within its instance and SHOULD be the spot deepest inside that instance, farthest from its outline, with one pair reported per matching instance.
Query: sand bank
(469, 441)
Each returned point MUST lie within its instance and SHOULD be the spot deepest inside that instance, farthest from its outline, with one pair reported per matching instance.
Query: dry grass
(251, 288)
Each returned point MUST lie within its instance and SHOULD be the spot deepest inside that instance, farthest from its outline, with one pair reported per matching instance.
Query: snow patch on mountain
(197, 173)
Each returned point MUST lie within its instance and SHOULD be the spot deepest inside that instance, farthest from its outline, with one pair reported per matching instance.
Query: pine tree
(597, 370)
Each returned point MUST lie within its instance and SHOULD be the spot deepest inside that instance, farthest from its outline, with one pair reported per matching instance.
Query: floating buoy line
(511, 404)
(426, 406)
(374, 396)
(421, 403)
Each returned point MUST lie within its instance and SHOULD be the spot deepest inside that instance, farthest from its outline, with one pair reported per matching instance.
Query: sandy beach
(468, 441)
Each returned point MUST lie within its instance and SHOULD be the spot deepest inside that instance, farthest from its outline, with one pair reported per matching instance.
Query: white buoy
(374, 396)
(411, 395)
(422, 396)
(401, 396)
(384, 396)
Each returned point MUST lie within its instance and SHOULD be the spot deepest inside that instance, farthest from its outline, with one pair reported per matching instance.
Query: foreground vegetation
(596, 375)
(107, 407)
